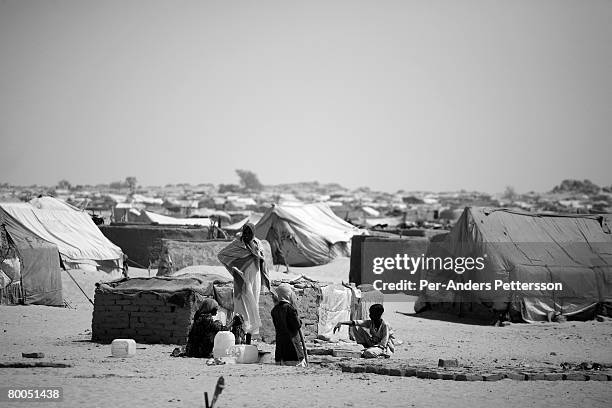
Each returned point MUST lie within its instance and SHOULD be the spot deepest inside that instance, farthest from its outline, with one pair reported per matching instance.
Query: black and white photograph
(305, 203)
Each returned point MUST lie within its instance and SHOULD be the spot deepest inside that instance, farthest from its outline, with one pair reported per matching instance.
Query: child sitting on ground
(378, 339)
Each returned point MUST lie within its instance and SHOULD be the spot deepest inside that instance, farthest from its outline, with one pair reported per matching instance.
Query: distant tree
(64, 185)
(229, 188)
(116, 185)
(249, 180)
(577, 186)
(509, 193)
(412, 200)
(131, 182)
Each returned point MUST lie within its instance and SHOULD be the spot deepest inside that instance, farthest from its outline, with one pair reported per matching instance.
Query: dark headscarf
(209, 306)
(248, 226)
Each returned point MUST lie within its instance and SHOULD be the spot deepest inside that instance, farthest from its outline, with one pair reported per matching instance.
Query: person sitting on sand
(378, 340)
(201, 338)
(289, 345)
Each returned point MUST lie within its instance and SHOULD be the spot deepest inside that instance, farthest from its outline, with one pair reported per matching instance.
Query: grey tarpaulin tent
(573, 250)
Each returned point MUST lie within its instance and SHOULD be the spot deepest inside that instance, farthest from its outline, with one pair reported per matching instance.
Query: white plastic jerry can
(123, 348)
(222, 342)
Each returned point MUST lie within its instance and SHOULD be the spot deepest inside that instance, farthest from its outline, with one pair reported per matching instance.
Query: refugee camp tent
(305, 235)
(572, 250)
(30, 268)
(78, 240)
(237, 226)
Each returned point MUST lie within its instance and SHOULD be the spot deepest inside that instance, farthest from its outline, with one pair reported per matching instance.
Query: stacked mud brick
(308, 295)
(182, 253)
(148, 310)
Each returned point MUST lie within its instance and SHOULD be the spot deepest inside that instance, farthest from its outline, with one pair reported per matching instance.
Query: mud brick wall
(186, 253)
(308, 299)
(143, 243)
(145, 317)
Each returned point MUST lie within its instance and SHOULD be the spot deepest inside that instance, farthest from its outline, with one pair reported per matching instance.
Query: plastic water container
(123, 348)
(244, 353)
(223, 341)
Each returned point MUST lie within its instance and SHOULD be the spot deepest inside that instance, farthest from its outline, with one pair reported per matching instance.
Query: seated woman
(289, 347)
(378, 340)
(203, 330)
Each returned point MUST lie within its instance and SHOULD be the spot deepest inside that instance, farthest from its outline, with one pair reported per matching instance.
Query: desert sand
(153, 378)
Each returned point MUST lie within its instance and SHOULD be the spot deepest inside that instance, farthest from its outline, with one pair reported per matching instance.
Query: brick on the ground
(448, 362)
(597, 377)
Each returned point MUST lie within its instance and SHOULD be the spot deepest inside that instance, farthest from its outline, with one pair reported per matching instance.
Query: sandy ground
(154, 379)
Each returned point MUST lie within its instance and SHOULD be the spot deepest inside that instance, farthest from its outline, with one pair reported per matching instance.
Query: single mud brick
(410, 371)
(461, 377)
(516, 376)
(493, 377)
(445, 363)
(371, 369)
(434, 375)
(383, 370)
(448, 376)
(398, 372)
(597, 377)
(346, 353)
(553, 376)
(358, 369)
(420, 373)
(345, 368)
(574, 377)
(33, 355)
(320, 352)
(535, 376)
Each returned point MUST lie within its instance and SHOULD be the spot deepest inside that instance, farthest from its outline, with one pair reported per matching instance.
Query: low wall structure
(161, 309)
(179, 254)
(143, 243)
(149, 310)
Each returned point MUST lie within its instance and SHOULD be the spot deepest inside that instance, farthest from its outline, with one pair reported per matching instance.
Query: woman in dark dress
(287, 323)
(201, 338)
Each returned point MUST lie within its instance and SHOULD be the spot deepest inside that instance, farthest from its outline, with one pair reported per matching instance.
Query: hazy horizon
(391, 95)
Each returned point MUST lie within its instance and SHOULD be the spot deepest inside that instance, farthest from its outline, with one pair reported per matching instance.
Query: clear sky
(413, 95)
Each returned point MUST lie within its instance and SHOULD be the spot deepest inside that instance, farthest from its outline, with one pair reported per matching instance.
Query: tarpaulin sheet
(335, 307)
(40, 273)
(77, 238)
(204, 285)
(574, 250)
(165, 220)
(41, 280)
(305, 235)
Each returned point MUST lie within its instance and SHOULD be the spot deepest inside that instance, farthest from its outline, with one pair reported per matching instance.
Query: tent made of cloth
(237, 226)
(78, 240)
(35, 274)
(572, 250)
(305, 235)
(165, 220)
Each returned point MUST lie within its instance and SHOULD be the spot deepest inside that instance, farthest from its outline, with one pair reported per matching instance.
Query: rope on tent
(136, 263)
(79, 286)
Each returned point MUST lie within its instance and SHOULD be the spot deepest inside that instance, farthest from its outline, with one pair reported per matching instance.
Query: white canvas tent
(78, 240)
(305, 235)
